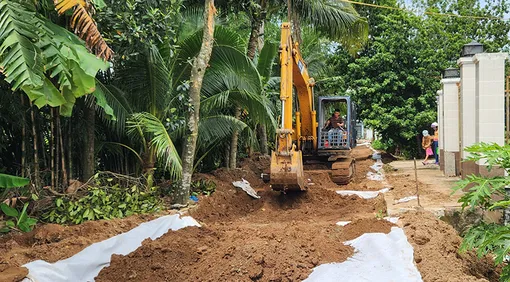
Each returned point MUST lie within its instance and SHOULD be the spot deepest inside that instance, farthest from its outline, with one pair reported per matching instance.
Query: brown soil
(319, 175)
(52, 242)
(436, 246)
(404, 185)
(361, 226)
(275, 238)
(265, 252)
(362, 153)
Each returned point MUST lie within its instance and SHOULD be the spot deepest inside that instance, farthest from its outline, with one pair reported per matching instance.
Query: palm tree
(155, 86)
(334, 18)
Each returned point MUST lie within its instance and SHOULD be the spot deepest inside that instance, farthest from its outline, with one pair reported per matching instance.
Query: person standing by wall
(435, 142)
(426, 143)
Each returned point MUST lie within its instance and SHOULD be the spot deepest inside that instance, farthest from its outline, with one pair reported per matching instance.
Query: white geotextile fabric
(378, 257)
(362, 194)
(393, 220)
(406, 199)
(245, 185)
(86, 265)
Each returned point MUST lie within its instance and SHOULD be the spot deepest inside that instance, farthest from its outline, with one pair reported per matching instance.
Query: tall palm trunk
(37, 175)
(233, 143)
(263, 139)
(257, 42)
(197, 76)
(88, 148)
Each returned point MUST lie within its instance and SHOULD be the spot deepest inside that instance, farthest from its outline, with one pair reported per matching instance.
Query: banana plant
(47, 62)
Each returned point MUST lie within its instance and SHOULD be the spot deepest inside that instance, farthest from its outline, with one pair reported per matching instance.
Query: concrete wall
(451, 132)
(490, 100)
(440, 121)
(468, 108)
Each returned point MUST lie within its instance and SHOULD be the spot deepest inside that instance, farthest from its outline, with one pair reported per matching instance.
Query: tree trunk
(261, 34)
(23, 136)
(226, 156)
(234, 141)
(257, 30)
(65, 182)
(37, 176)
(263, 139)
(296, 24)
(257, 42)
(52, 149)
(70, 147)
(88, 148)
(197, 76)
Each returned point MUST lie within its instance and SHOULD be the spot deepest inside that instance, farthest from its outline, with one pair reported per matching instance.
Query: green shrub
(17, 220)
(104, 203)
(488, 193)
(203, 186)
(378, 145)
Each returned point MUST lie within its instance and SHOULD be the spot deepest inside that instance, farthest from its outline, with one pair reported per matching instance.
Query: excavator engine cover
(287, 172)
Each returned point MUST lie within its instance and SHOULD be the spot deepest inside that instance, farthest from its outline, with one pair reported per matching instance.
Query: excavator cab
(336, 139)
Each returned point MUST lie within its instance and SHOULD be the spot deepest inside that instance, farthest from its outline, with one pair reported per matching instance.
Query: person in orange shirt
(426, 144)
(435, 142)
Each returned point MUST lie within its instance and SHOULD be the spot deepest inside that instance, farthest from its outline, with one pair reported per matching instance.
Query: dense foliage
(104, 202)
(394, 79)
(488, 194)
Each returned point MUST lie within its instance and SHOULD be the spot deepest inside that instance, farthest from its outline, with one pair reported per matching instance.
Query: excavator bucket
(287, 172)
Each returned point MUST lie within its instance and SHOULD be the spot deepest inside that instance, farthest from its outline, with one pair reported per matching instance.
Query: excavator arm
(296, 127)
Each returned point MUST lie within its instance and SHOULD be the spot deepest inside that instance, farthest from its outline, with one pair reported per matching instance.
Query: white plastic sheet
(245, 185)
(406, 199)
(362, 194)
(375, 176)
(378, 257)
(342, 223)
(86, 265)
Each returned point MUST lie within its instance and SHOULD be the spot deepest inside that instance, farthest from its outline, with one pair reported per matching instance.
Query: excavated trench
(275, 238)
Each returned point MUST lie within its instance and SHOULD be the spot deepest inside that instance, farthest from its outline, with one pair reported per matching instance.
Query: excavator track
(342, 171)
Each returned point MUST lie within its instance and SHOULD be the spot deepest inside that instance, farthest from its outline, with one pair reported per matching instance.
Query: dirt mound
(229, 203)
(263, 252)
(52, 242)
(436, 246)
(14, 274)
(257, 163)
(362, 153)
(369, 225)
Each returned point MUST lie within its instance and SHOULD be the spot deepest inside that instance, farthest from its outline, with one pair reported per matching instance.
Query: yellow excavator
(303, 135)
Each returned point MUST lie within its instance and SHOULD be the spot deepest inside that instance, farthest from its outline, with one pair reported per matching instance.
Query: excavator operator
(335, 124)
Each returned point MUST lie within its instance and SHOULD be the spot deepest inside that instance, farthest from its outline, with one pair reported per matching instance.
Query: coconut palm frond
(160, 140)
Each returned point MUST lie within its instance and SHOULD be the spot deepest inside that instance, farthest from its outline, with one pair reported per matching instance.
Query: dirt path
(434, 188)
(274, 238)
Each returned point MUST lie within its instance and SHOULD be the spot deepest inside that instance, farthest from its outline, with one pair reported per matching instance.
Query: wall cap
(490, 56)
(450, 80)
(465, 61)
